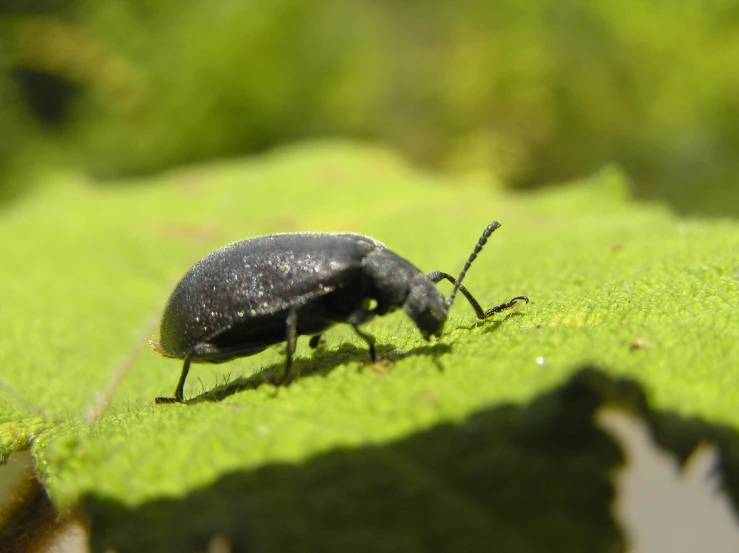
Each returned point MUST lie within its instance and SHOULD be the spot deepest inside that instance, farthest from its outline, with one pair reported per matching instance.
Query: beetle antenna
(491, 228)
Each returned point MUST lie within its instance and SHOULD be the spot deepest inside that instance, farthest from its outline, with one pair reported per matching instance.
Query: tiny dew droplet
(540, 361)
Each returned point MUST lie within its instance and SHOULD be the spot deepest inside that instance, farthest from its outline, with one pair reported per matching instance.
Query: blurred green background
(530, 93)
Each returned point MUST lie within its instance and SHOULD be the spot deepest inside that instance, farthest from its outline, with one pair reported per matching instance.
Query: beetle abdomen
(244, 282)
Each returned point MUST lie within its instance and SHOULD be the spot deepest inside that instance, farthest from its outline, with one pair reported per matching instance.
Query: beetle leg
(291, 337)
(370, 342)
(179, 393)
(503, 306)
(357, 317)
(438, 276)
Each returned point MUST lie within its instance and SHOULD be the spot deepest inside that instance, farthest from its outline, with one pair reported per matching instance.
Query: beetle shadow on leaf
(488, 326)
(526, 477)
(319, 364)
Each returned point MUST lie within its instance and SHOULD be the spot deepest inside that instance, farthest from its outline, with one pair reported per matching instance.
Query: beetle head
(426, 306)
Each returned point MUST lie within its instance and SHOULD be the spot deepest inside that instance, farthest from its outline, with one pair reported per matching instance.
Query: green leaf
(440, 445)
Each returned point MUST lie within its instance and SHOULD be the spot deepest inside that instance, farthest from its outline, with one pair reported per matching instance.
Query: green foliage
(456, 441)
(532, 94)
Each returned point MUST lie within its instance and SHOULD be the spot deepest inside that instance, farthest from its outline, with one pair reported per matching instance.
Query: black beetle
(249, 295)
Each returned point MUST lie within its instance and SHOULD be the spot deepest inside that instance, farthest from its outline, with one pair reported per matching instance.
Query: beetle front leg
(503, 306)
(179, 393)
(438, 276)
